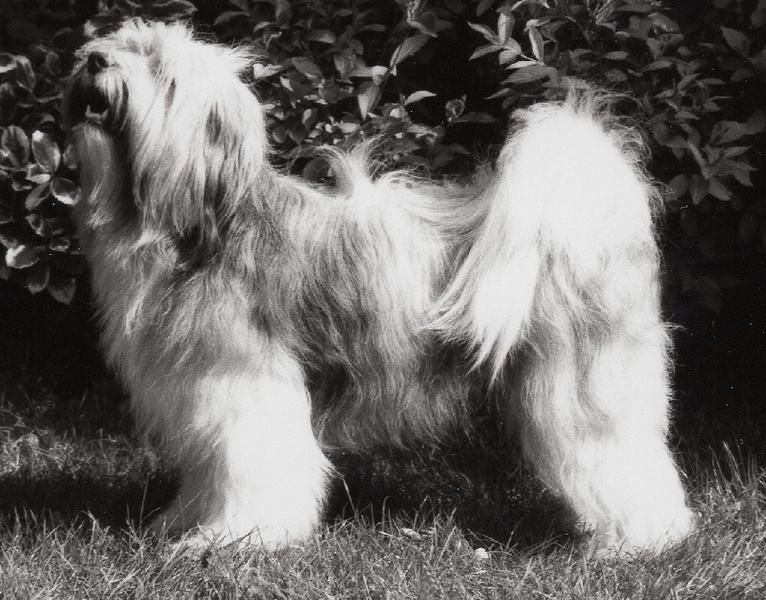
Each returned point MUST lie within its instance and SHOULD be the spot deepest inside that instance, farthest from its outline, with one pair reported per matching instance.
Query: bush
(434, 80)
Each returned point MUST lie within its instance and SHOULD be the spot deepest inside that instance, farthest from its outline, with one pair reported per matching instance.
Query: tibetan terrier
(259, 320)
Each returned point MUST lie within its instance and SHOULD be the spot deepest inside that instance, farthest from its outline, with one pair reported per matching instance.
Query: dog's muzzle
(96, 62)
(86, 102)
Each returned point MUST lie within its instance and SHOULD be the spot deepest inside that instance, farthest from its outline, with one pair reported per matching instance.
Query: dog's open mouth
(87, 103)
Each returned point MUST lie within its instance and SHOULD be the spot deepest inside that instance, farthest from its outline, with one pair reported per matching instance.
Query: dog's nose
(97, 62)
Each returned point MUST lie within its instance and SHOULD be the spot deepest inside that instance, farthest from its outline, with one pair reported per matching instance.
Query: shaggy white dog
(258, 320)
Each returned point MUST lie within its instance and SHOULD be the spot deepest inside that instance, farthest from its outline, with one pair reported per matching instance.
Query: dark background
(714, 267)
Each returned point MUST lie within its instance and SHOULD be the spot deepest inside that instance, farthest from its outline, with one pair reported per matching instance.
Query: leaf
(53, 63)
(9, 240)
(37, 278)
(324, 36)
(366, 97)
(15, 143)
(538, 46)
(521, 3)
(733, 151)
(69, 157)
(46, 151)
(7, 62)
(345, 63)
(507, 56)
(636, 7)
(427, 22)
(737, 41)
(229, 15)
(484, 50)
(505, 23)
(616, 75)
(454, 108)
(616, 55)
(38, 225)
(698, 156)
(755, 123)
(740, 171)
(25, 66)
(663, 23)
(378, 74)
(741, 75)
(718, 190)
(20, 257)
(697, 188)
(60, 244)
(307, 67)
(65, 191)
(63, 291)
(378, 28)
(657, 65)
(520, 64)
(171, 9)
(261, 71)
(528, 74)
(309, 117)
(725, 132)
(408, 47)
(279, 133)
(680, 185)
(418, 96)
(37, 174)
(397, 112)
(37, 196)
(488, 34)
(347, 128)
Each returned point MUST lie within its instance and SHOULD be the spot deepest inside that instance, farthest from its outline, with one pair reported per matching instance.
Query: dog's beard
(96, 154)
(95, 110)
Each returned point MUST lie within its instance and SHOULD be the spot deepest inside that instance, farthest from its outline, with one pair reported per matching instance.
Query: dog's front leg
(251, 469)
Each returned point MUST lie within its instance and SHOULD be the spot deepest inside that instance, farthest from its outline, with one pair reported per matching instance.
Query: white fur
(258, 320)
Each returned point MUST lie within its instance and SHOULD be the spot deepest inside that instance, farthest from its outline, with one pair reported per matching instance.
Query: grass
(75, 486)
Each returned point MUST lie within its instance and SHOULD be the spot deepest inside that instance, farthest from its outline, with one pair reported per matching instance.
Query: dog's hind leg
(251, 469)
(592, 418)
(563, 286)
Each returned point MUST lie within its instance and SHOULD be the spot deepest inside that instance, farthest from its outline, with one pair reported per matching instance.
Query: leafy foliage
(432, 80)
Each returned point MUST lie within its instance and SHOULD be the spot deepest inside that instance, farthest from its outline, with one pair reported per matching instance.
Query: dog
(259, 321)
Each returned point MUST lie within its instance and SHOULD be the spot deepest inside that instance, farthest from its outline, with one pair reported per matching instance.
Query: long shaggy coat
(258, 320)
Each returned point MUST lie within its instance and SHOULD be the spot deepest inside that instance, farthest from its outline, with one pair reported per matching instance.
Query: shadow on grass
(488, 496)
(485, 491)
(68, 498)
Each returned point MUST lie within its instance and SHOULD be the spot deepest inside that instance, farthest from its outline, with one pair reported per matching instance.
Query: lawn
(75, 485)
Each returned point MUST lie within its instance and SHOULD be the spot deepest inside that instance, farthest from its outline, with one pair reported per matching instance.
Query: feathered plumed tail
(569, 199)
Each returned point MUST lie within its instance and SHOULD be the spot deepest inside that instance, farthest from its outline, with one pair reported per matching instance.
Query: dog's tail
(569, 213)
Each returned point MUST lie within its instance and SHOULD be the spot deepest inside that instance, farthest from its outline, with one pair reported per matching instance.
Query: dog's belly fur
(377, 374)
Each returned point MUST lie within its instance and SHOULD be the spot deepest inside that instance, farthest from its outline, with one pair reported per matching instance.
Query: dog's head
(174, 110)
